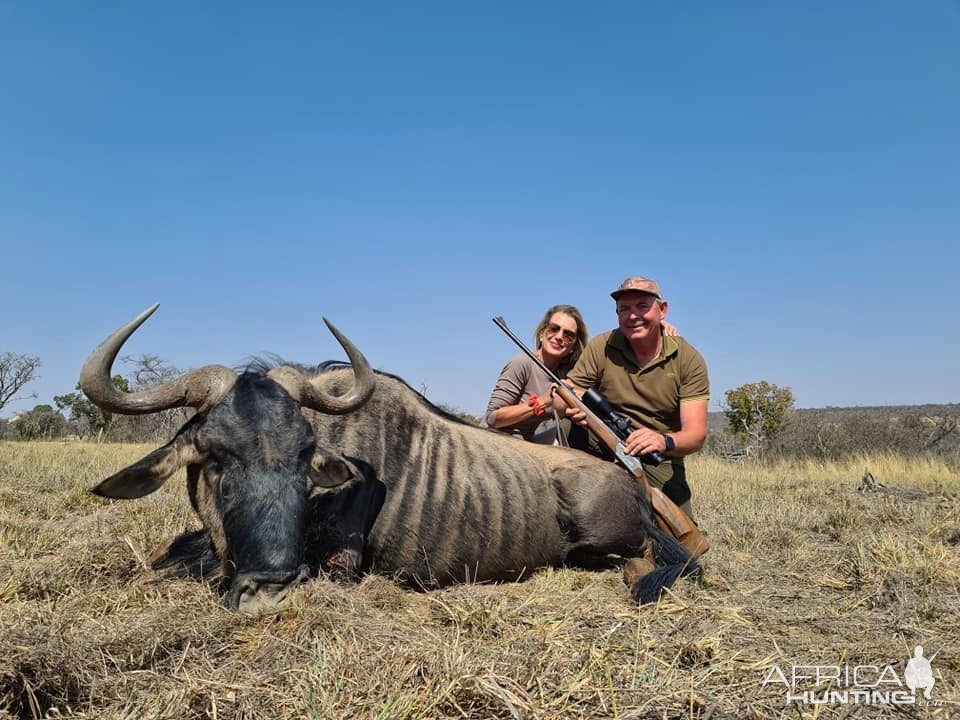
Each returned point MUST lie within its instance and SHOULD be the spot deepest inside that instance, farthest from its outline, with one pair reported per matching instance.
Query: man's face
(640, 315)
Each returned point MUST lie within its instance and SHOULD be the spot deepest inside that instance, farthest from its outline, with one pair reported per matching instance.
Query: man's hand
(645, 440)
(577, 415)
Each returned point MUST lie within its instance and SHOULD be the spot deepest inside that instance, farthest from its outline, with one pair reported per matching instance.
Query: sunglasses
(568, 336)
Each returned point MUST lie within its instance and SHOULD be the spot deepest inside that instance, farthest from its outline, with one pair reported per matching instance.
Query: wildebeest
(346, 470)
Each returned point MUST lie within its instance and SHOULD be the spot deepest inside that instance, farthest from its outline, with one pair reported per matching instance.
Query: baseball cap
(638, 284)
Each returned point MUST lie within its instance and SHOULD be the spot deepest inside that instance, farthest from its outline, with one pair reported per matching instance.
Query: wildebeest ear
(329, 470)
(148, 474)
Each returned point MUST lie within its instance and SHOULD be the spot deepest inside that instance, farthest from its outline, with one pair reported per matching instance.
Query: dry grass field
(804, 570)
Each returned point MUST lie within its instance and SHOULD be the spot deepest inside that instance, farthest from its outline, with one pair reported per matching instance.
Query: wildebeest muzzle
(257, 593)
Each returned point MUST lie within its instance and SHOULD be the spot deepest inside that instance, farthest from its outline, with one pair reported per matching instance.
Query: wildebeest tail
(672, 559)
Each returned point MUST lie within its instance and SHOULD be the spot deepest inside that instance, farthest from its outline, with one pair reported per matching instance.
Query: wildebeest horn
(198, 388)
(307, 391)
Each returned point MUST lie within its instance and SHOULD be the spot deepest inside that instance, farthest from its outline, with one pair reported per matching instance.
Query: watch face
(670, 443)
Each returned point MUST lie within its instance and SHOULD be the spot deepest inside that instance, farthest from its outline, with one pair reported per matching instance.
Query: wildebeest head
(250, 457)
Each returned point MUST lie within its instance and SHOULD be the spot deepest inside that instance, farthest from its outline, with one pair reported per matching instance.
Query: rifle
(612, 429)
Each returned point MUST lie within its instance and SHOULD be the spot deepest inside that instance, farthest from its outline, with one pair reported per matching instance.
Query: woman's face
(560, 336)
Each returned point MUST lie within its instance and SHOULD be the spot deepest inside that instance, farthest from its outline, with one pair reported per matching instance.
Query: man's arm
(689, 439)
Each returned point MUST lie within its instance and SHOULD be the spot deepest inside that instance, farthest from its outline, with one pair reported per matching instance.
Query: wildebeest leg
(608, 530)
(340, 520)
(608, 515)
(191, 554)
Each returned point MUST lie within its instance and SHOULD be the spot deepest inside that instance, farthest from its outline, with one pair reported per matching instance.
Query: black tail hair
(673, 561)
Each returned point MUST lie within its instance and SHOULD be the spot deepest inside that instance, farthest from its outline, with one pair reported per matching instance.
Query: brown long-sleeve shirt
(519, 379)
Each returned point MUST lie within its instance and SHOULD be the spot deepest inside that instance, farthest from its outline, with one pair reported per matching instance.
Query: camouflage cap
(638, 284)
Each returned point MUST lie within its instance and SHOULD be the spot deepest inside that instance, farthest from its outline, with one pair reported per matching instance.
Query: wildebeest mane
(329, 365)
(262, 364)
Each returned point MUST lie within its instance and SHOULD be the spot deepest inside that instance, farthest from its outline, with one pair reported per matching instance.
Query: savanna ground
(803, 570)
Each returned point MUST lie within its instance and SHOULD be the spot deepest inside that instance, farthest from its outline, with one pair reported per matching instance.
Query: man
(658, 381)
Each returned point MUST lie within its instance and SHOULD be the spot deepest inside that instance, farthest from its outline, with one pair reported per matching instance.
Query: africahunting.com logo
(858, 684)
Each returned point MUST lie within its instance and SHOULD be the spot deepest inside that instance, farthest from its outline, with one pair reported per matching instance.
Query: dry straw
(804, 569)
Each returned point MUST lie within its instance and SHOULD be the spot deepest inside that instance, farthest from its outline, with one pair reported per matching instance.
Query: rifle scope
(619, 424)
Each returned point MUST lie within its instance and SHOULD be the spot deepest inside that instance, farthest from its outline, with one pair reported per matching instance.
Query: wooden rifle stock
(666, 514)
(670, 518)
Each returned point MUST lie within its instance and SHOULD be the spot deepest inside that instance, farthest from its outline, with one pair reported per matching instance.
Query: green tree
(87, 417)
(756, 412)
(41, 423)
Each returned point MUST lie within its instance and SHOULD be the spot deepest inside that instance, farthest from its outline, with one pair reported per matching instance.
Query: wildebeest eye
(215, 477)
(226, 489)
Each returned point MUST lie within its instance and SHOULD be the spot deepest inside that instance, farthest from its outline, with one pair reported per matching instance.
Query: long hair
(579, 344)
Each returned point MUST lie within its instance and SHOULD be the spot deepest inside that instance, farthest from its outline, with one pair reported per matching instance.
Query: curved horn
(198, 388)
(307, 390)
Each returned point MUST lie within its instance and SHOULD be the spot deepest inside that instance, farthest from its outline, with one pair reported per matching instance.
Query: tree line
(758, 420)
(73, 415)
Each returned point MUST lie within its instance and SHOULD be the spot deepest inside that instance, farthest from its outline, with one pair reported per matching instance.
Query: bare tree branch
(15, 372)
(150, 370)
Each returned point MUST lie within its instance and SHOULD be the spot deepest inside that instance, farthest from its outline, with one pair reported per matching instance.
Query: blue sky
(789, 172)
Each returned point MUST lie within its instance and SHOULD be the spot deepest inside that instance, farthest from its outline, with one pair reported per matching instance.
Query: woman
(521, 403)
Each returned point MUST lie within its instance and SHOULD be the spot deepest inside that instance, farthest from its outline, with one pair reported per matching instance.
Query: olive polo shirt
(651, 395)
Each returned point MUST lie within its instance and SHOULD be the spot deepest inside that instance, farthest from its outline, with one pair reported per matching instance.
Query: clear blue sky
(789, 172)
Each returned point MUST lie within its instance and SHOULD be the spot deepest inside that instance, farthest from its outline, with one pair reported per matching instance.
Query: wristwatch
(671, 445)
